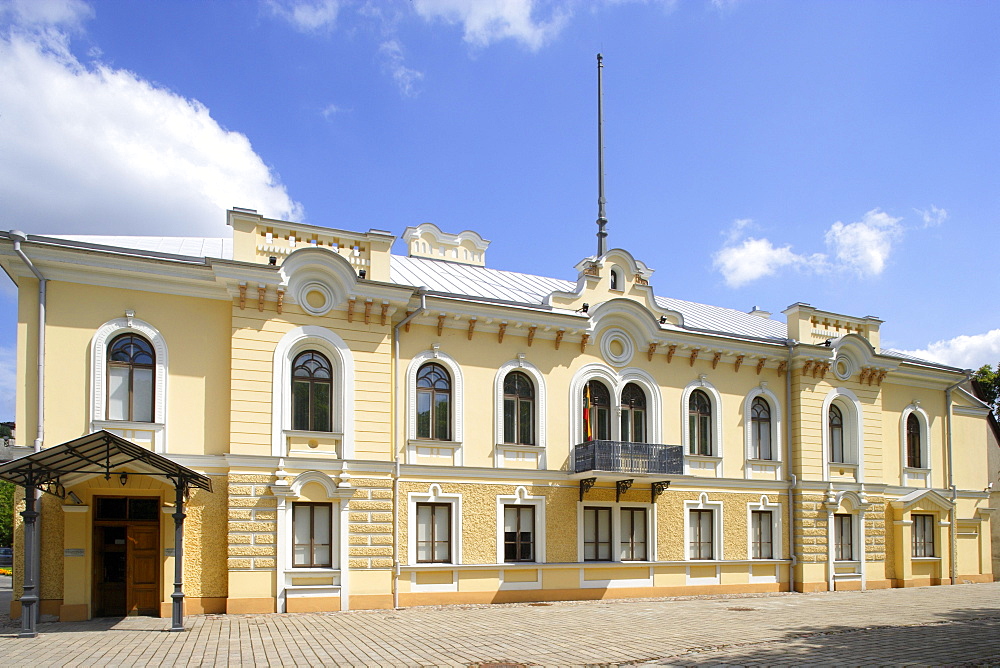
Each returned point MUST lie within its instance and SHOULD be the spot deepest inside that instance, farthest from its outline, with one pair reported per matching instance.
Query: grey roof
(510, 286)
(190, 246)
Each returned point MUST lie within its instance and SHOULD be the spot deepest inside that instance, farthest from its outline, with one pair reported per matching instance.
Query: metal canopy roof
(102, 452)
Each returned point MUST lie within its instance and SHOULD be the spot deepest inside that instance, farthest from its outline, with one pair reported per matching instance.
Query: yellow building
(358, 429)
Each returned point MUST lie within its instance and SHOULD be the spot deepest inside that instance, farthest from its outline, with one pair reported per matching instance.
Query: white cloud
(965, 351)
(406, 78)
(91, 149)
(865, 246)
(46, 14)
(306, 15)
(933, 216)
(488, 21)
(753, 259)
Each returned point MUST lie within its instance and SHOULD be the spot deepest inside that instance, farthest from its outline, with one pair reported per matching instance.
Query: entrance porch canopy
(102, 453)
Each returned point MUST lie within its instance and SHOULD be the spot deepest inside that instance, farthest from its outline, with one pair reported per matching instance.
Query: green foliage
(989, 380)
(6, 513)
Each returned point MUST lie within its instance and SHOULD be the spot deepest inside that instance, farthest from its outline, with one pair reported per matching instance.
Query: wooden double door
(127, 568)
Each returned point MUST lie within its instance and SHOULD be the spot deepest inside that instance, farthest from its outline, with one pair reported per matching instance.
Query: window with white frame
(433, 402)
(842, 432)
(596, 411)
(433, 529)
(129, 381)
(518, 409)
(312, 391)
(597, 533)
(760, 429)
(922, 535)
(312, 535)
(843, 537)
(633, 414)
(701, 540)
(434, 399)
(835, 431)
(633, 534)
(761, 534)
(519, 533)
(914, 445)
(700, 424)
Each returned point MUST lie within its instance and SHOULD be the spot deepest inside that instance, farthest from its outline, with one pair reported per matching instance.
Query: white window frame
(920, 475)
(715, 399)
(99, 381)
(703, 503)
(434, 495)
(294, 342)
(776, 425)
(855, 547)
(615, 382)
(522, 498)
(616, 530)
(457, 404)
(519, 364)
(338, 497)
(853, 413)
(776, 528)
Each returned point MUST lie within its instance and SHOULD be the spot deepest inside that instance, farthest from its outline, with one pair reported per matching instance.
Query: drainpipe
(792, 480)
(18, 237)
(422, 292)
(952, 529)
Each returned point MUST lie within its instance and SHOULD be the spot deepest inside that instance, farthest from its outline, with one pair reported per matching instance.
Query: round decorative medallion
(315, 297)
(617, 347)
(843, 367)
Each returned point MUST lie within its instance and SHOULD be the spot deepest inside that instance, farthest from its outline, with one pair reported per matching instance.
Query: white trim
(615, 382)
(616, 533)
(622, 337)
(854, 434)
(776, 529)
(98, 379)
(522, 498)
(434, 495)
(300, 339)
(923, 473)
(339, 574)
(457, 415)
(701, 383)
(538, 379)
(704, 504)
(776, 430)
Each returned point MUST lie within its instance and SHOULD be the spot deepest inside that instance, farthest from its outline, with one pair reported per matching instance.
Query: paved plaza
(957, 625)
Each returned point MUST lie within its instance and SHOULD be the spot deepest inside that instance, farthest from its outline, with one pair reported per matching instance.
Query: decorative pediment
(317, 279)
(427, 240)
(923, 499)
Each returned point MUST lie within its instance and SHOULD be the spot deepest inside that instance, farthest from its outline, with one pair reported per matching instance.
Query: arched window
(131, 378)
(914, 454)
(760, 429)
(433, 402)
(700, 424)
(615, 280)
(518, 409)
(633, 414)
(312, 378)
(836, 426)
(596, 411)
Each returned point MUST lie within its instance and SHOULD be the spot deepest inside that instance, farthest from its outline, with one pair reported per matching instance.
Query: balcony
(623, 457)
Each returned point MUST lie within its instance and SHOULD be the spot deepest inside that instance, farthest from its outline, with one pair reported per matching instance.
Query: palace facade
(356, 429)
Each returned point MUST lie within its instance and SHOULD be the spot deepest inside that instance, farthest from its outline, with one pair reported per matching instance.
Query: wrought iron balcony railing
(627, 457)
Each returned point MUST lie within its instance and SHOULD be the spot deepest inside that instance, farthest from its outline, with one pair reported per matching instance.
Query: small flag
(587, 434)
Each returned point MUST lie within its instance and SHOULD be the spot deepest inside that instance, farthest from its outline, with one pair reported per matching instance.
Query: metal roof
(191, 246)
(101, 452)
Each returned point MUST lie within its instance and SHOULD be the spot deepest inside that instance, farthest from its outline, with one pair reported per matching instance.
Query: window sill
(302, 433)
(520, 446)
(294, 570)
(127, 424)
(843, 465)
(929, 559)
(763, 462)
(703, 458)
(431, 443)
(915, 471)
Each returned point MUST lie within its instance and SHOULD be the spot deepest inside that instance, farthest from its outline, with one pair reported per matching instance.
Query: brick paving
(957, 625)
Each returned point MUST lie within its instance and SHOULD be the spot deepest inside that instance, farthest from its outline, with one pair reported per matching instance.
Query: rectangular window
(843, 537)
(118, 393)
(761, 544)
(434, 533)
(597, 534)
(311, 532)
(519, 533)
(702, 534)
(923, 536)
(633, 545)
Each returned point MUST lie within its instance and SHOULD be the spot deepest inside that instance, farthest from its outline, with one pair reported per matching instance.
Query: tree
(989, 382)
(6, 513)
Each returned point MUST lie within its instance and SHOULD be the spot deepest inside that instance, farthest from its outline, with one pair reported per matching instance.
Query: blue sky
(758, 153)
